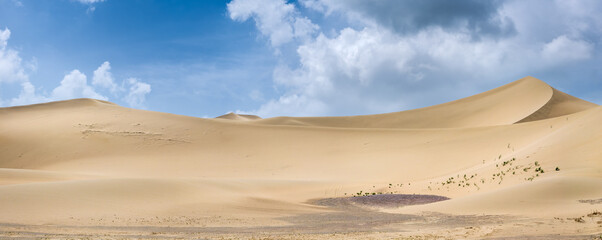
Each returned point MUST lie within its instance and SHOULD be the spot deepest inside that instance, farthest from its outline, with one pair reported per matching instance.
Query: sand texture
(520, 161)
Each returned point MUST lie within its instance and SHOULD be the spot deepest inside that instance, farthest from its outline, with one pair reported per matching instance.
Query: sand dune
(89, 162)
(527, 99)
(242, 117)
(559, 104)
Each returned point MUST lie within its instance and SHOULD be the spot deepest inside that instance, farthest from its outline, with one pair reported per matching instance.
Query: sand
(519, 161)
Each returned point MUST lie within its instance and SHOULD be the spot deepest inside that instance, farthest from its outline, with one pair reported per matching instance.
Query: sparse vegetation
(595, 214)
(504, 168)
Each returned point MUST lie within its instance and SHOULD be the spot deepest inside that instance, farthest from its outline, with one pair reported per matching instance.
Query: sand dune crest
(524, 100)
(242, 117)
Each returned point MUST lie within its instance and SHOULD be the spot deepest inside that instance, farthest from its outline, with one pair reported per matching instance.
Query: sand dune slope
(241, 117)
(527, 99)
(522, 149)
(559, 104)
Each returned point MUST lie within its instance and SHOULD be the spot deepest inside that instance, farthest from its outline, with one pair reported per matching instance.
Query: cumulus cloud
(14, 70)
(392, 50)
(276, 19)
(73, 85)
(103, 77)
(4, 36)
(11, 66)
(355, 63)
(137, 92)
(290, 105)
(28, 95)
(563, 49)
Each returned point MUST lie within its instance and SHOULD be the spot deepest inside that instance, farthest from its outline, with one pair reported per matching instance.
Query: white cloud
(387, 62)
(291, 105)
(275, 19)
(28, 95)
(11, 66)
(90, 1)
(373, 70)
(75, 85)
(13, 70)
(563, 49)
(579, 17)
(333, 69)
(103, 77)
(137, 92)
(304, 28)
(4, 36)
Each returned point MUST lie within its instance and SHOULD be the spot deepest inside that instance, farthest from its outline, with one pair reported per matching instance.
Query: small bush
(595, 214)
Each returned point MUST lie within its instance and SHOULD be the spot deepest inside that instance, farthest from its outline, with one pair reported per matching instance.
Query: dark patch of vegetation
(595, 214)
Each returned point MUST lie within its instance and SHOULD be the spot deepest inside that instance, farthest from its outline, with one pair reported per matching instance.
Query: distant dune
(243, 117)
(514, 160)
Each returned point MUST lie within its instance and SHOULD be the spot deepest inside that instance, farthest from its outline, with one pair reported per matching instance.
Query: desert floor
(522, 161)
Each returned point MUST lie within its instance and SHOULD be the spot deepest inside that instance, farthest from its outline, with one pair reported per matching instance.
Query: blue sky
(296, 58)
